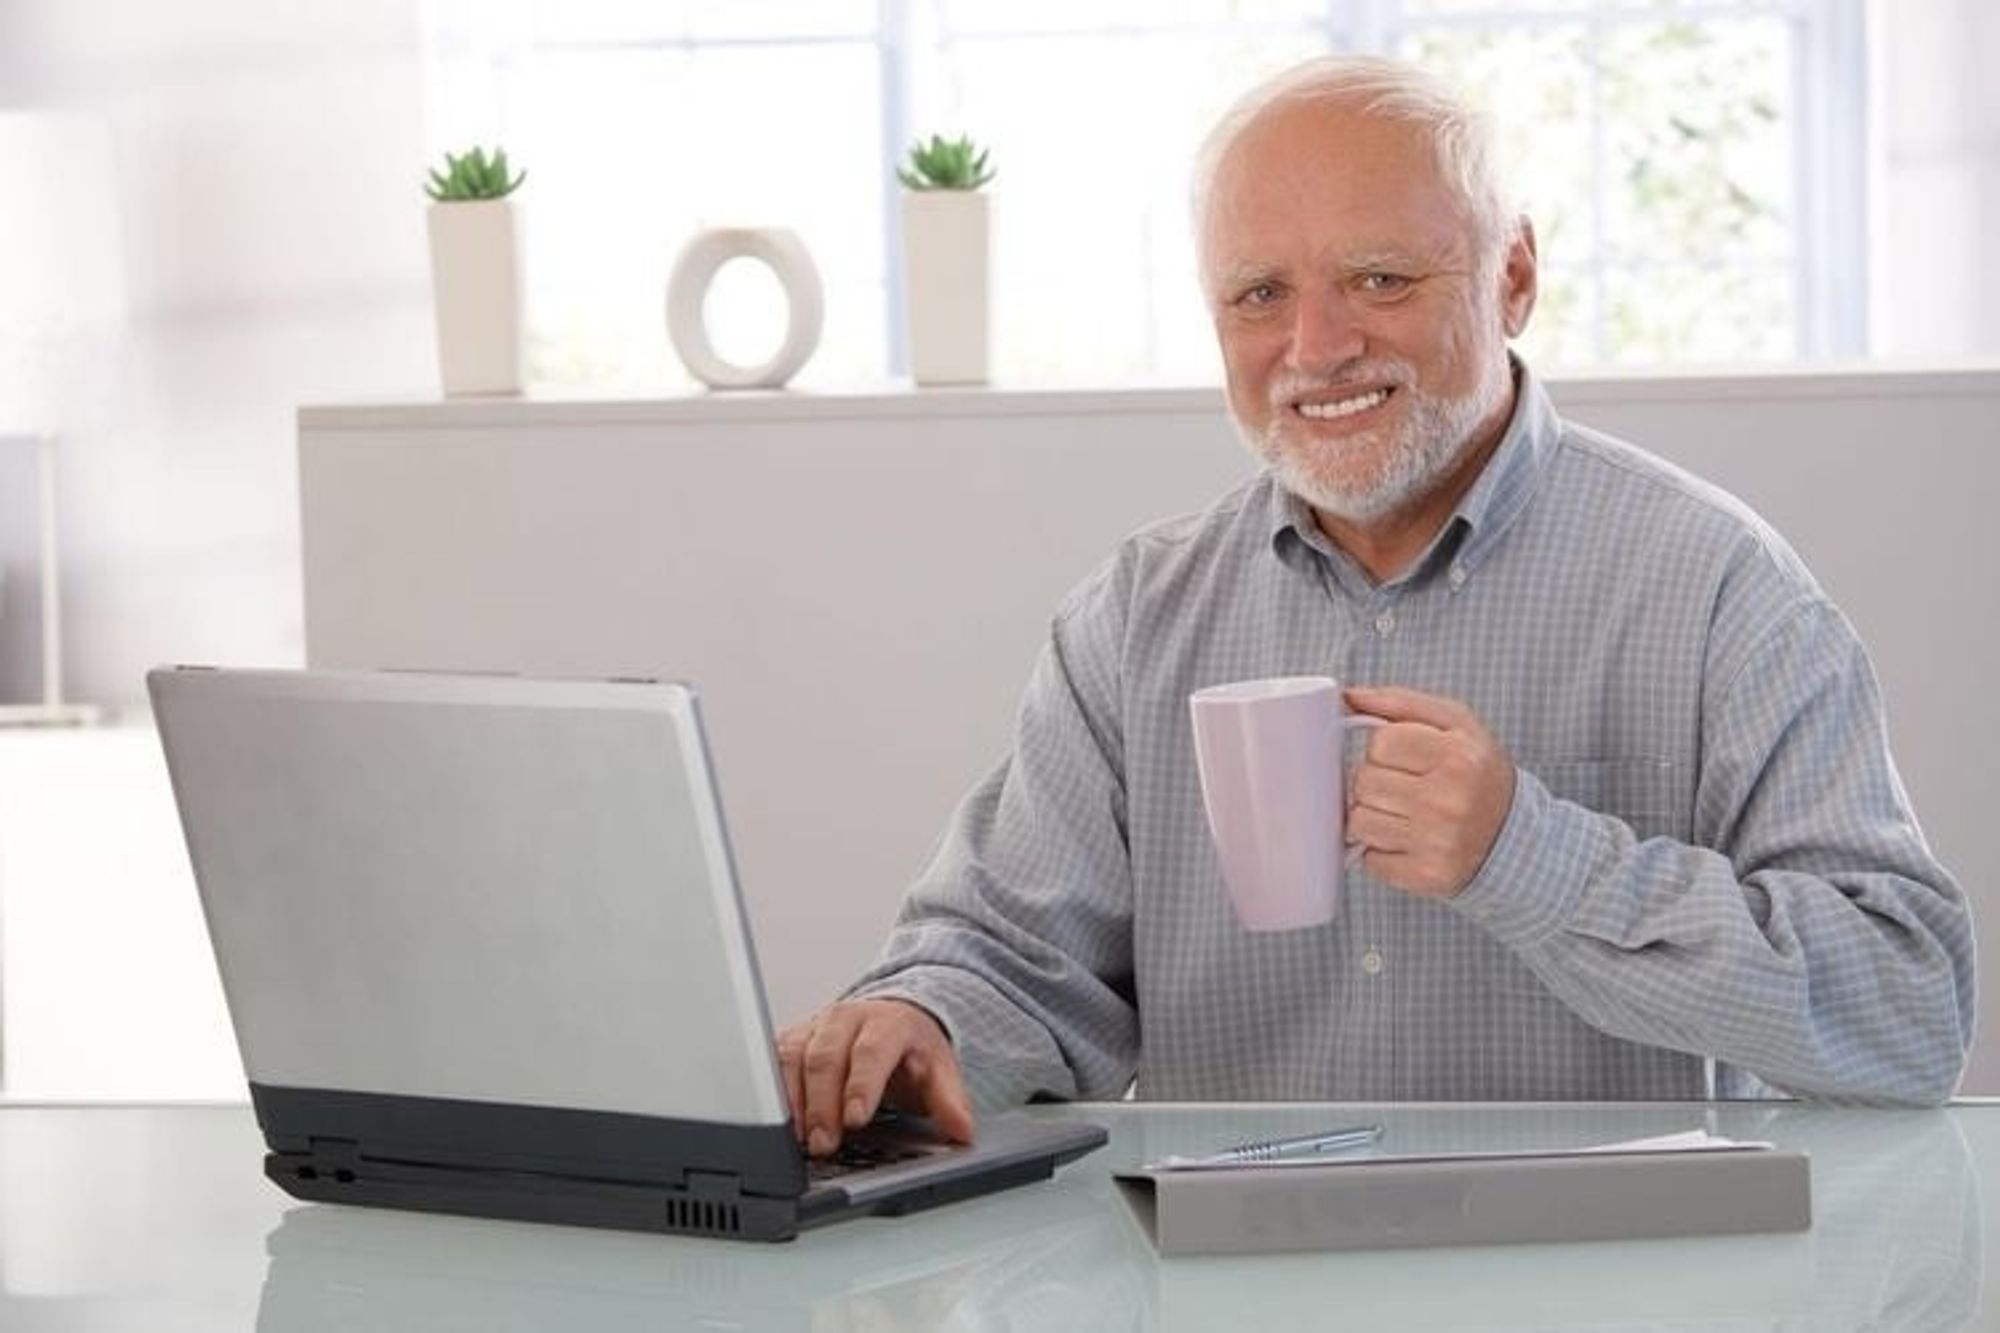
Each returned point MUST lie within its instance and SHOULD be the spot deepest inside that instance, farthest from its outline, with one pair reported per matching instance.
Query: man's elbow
(1922, 1063)
(1923, 1072)
(1918, 1068)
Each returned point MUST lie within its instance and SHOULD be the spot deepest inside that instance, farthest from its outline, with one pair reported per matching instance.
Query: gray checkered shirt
(1710, 882)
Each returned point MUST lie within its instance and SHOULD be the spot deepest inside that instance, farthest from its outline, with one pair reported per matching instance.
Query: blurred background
(1767, 181)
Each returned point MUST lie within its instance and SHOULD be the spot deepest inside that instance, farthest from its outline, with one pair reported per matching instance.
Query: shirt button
(1385, 623)
(1371, 962)
(1458, 576)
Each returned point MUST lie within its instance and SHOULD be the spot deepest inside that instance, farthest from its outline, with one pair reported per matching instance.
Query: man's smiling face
(1363, 316)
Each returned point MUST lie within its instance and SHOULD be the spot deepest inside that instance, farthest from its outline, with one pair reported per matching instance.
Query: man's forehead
(1235, 257)
(1245, 256)
(1353, 189)
(1340, 131)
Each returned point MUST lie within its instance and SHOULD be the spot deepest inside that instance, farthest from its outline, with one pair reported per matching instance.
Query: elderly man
(1632, 829)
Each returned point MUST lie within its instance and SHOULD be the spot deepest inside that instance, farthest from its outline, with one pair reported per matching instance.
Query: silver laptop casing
(480, 888)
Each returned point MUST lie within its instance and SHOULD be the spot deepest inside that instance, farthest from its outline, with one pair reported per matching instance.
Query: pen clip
(1281, 1149)
(1294, 1147)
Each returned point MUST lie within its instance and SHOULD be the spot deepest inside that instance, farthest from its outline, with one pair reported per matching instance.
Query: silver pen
(1299, 1147)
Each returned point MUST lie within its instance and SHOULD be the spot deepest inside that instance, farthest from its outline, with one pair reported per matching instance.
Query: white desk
(156, 1218)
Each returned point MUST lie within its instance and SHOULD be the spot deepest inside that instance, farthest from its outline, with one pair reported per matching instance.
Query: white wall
(108, 988)
(268, 160)
(1934, 278)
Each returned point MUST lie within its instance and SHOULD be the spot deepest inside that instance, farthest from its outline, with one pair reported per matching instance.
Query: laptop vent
(703, 1216)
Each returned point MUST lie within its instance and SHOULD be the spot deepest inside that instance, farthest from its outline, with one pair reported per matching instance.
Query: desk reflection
(1896, 1243)
(1045, 1259)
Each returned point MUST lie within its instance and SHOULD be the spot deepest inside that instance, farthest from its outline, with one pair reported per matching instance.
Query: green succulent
(473, 175)
(945, 164)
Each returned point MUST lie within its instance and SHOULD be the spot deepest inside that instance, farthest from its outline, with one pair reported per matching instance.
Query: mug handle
(1362, 722)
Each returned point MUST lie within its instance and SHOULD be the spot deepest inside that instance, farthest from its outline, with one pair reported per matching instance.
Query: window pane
(1526, 11)
(1546, 157)
(1094, 264)
(1658, 148)
(973, 17)
(1565, 329)
(632, 151)
(1699, 313)
(1698, 139)
(618, 22)
(1652, 142)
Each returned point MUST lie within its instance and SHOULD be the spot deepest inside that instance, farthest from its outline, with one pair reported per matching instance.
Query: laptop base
(713, 1207)
(710, 1208)
(585, 1168)
(536, 1163)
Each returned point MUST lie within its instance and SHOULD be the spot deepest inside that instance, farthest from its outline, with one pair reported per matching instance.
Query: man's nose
(1325, 333)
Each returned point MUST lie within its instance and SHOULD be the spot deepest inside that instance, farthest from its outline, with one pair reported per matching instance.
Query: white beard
(1433, 435)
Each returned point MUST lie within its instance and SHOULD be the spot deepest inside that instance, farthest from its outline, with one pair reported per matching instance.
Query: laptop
(484, 953)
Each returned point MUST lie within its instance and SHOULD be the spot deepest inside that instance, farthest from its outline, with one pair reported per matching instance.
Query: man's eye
(1377, 283)
(1258, 295)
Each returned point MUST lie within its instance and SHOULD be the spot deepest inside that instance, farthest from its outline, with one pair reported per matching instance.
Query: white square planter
(946, 262)
(476, 278)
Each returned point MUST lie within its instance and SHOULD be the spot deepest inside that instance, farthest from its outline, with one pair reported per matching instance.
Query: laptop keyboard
(879, 1145)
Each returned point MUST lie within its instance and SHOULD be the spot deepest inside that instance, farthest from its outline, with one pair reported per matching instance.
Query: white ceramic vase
(780, 250)
(946, 285)
(476, 278)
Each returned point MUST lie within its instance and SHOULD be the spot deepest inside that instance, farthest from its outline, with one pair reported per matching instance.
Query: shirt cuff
(1535, 874)
(1007, 1058)
(898, 987)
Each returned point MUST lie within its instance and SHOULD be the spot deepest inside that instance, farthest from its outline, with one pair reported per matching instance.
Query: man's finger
(879, 1047)
(1393, 703)
(826, 1057)
(1408, 747)
(792, 1064)
(1379, 832)
(1389, 867)
(940, 1088)
(1392, 791)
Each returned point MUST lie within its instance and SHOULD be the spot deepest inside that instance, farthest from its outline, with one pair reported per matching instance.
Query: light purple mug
(1272, 779)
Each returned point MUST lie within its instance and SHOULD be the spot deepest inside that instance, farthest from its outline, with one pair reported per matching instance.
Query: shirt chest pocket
(1654, 796)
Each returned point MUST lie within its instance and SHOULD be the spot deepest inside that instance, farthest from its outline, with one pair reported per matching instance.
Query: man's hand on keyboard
(843, 1062)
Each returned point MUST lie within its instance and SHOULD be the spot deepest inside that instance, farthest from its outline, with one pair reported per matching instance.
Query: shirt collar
(1484, 513)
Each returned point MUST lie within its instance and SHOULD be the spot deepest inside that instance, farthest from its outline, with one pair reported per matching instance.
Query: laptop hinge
(336, 1159)
(714, 1184)
(325, 1147)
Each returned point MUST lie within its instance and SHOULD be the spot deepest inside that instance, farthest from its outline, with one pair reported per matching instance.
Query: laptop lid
(486, 889)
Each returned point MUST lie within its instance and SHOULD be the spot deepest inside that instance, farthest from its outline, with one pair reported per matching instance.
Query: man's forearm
(1849, 984)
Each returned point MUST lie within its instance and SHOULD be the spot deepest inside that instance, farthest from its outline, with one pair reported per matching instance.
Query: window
(1694, 169)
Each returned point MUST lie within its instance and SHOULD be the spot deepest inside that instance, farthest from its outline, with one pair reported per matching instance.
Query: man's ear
(1518, 278)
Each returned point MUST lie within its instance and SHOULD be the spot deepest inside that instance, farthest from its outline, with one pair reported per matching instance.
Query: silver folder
(1472, 1200)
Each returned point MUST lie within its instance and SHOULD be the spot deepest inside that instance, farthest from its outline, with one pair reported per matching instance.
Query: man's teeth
(1346, 407)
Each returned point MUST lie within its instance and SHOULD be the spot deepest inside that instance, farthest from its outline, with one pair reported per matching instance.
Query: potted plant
(946, 260)
(475, 272)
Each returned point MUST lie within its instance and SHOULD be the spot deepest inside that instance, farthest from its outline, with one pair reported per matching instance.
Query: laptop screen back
(477, 888)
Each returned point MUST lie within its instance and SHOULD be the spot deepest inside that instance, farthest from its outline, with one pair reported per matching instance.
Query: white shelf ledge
(1573, 391)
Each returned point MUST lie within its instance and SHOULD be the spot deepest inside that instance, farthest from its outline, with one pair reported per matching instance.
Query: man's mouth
(1331, 409)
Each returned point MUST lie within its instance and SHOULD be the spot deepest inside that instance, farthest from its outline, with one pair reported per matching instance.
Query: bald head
(1444, 132)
